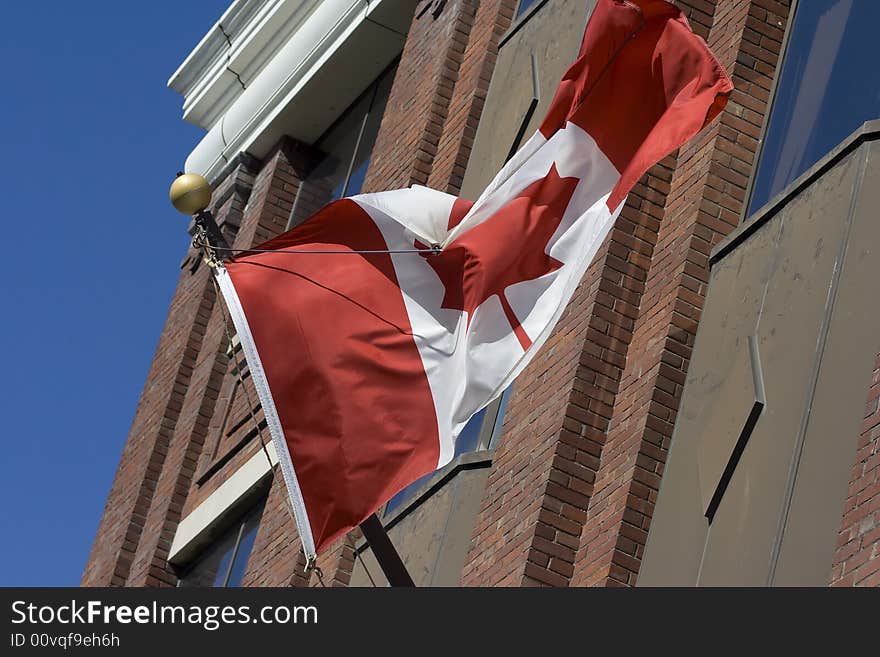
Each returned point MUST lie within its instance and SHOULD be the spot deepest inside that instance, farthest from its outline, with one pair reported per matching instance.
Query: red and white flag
(370, 357)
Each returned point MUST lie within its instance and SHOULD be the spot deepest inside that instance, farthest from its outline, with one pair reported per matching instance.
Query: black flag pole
(386, 554)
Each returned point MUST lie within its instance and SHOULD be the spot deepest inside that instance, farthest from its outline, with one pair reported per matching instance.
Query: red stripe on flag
(643, 84)
(346, 376)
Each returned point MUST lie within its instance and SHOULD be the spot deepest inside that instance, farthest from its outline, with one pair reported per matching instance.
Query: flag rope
(435, 249)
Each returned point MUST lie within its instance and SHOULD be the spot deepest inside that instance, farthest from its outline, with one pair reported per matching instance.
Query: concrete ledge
(210, 518)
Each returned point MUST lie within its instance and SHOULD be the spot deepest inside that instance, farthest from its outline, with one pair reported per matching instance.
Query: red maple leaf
(507, 248)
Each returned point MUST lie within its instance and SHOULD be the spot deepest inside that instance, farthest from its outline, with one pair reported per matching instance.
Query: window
(480, 433)
(523, 6)
(829, 85)
(223, 563)
(344, 152)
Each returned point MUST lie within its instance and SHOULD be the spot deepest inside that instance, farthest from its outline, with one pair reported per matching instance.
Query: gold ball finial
(190, 193)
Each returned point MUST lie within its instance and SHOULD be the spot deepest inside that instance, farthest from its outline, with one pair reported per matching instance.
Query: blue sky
(91, 141)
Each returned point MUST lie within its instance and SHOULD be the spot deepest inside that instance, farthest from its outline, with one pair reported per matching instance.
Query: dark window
(344, 152)
(524, 5)
(829, 85)
(480, 433)
(223, 563)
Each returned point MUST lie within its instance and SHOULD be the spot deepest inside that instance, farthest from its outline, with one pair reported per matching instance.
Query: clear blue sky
(91, 141)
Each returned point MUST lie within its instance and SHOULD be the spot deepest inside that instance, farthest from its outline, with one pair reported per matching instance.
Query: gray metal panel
(456, 534)
(778, 282)
(811, 229)
(434, 538)
(679, 527)
(553, 34)
(808, 543)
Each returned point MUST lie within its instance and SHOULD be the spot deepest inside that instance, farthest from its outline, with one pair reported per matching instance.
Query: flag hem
(239, 319)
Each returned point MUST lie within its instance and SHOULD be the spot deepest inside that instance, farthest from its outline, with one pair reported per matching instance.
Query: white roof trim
(331, 55)
(232, 54)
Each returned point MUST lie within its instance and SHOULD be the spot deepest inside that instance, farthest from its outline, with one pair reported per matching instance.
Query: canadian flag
(378, 327)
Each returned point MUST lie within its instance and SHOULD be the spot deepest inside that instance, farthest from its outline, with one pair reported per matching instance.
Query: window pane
(406, 493)
(470, 435)
(523, 5)
(210, 569)
(829, 85)
(245, 545)
(345, 147)
(368, 138)
(326, 180)
(499, 417)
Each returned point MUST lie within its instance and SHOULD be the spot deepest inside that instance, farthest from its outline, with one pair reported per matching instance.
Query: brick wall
(486, 22)
(703, 205)
(857, 558)
(575, 477)
(530, 520)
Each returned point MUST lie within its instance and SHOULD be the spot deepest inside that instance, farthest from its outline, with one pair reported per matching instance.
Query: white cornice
(299, 72)
(232, 54)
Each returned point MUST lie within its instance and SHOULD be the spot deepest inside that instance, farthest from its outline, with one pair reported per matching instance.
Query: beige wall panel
(838, 405)
(775, 285)
(741, 537)
(456, 534)
(678, 531)
(433, 539)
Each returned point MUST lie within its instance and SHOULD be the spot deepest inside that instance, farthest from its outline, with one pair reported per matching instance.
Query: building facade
(635, 449)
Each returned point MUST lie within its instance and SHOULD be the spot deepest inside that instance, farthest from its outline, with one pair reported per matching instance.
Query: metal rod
(434, 250)
(385, 552)
(214, 235)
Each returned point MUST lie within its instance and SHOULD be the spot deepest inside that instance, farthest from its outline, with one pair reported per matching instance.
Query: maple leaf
(507, 248)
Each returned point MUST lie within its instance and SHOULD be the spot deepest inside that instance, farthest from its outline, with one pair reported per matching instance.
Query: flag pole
(386, 554)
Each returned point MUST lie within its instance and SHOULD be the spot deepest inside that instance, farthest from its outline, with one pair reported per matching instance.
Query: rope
(435, 249)
(238, 371)
(320, 575)
(201, 241)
